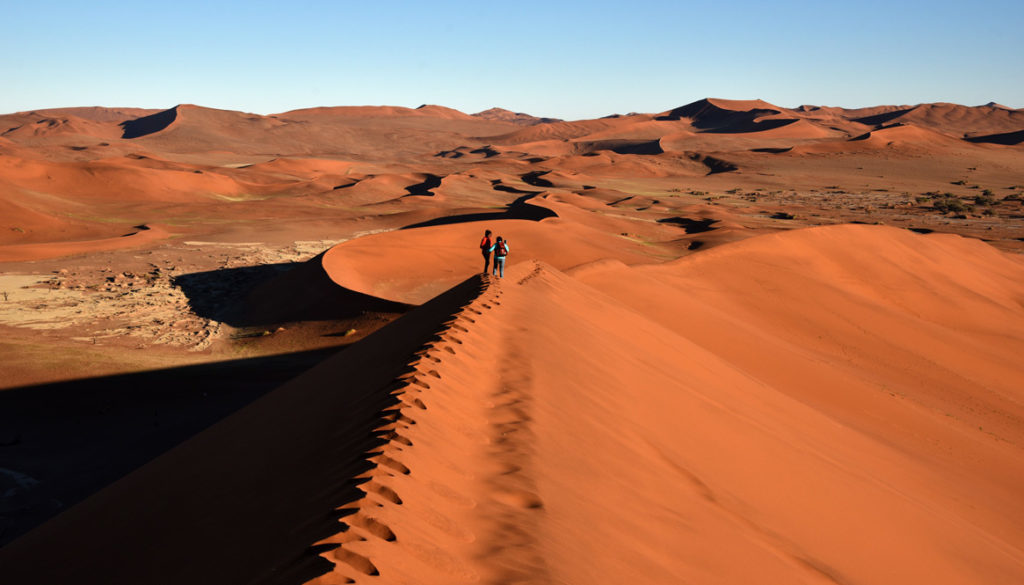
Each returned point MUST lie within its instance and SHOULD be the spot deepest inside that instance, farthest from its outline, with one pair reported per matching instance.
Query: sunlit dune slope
(412, 266)
(839, 404)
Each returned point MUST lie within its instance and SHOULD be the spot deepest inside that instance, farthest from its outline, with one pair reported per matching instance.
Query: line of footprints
(408, 388)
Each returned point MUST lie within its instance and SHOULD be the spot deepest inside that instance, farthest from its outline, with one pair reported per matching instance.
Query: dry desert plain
(735, 343)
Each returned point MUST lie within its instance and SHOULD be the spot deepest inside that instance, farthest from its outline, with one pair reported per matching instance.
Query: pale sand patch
(147, 307)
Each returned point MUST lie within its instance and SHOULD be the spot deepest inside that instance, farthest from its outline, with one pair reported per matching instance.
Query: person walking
(500, 250)
(485, 249)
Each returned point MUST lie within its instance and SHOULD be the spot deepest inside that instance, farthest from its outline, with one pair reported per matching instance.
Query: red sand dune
(47, 127)
(838, 404)
(520, 118)
(412, 266)
(958, 121)
(139, 236)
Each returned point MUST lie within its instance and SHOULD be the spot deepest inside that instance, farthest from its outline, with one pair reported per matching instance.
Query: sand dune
(49, 127)
(514, 117)
(953, 119)
(412, 266)
(21, 252)
(838, 404)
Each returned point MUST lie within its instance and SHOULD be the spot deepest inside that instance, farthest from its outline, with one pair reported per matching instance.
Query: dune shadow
(497, 185)
(714, 164)
(247, 500)
(752, 126)
(66, 440)
(692, 226)
(535, 179)
(426, 187)
(220, 294)
(771, 150)
(518, 209)
(879, 119)
(713, 119)
(622, 146)
(148, 124)
(268, 294)
(1006, 138)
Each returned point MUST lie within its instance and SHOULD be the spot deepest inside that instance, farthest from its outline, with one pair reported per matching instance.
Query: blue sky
(563, 59)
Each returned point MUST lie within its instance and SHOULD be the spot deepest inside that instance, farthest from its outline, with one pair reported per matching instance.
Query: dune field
(734, 343)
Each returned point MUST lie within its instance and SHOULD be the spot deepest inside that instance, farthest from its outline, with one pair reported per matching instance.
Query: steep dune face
(839, 404)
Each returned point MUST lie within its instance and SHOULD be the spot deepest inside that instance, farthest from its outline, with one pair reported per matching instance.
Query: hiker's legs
(487, 261)
(499, 263)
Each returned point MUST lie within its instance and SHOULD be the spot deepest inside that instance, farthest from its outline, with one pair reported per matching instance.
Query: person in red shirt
(485, 249)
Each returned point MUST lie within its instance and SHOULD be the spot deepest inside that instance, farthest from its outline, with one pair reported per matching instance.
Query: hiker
(485, 249)
(500, 249)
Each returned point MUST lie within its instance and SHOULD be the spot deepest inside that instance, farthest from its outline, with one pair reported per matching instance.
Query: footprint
(398, 466)
(385, 492)
(374, 527)
(356, 561)
(518, 498)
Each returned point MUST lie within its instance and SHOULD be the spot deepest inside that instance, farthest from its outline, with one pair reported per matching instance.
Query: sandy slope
(839, 404)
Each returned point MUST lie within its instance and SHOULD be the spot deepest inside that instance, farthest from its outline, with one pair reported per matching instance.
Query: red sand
(838, 404)
(672, 384)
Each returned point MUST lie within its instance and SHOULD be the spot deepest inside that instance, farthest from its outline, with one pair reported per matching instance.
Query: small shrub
(985, 198)
(923, 198)
(949, 204)
(960, 182)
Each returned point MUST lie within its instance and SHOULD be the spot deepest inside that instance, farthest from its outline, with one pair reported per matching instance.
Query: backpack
(485, 244)
(500, 249)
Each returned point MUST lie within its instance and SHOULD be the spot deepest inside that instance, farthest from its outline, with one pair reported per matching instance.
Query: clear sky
(563, 59)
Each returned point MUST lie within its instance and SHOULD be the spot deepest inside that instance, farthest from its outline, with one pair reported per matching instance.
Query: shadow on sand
(63, 441)
(518, 209)
(244, 501)
(257, 296)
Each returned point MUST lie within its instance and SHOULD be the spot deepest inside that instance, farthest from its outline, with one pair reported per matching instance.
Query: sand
(735, 343)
